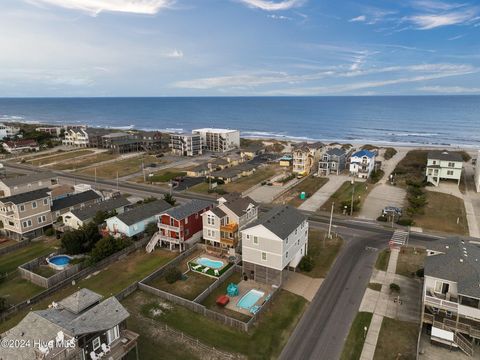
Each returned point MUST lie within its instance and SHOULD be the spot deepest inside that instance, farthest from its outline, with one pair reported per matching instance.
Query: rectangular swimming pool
(249, 299)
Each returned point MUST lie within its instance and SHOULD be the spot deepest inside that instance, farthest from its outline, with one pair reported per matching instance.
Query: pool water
(249, 299)
(213, 264)
(60, 260)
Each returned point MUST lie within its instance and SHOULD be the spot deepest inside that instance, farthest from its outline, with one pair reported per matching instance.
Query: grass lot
(310, 185)
(108, 281)
(209, 302)
(397, 340)
(16, 290)
(122, 167)
(344, 194)
(84, 162)
(410, 260)
(323, 257)
(189, 289)
(382, 260)
(164, 175)
(375, 286)
(45, 271)
(265, 341)
(352, 349)
(439, 217)
(60, 157)
(411, 167)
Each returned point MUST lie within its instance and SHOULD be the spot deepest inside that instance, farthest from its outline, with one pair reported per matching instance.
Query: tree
(149, 200)
(172, 275)
(82, 240)
(102, 215)
(169, 199)
(151, 228)
(307, 263)
(107, 246)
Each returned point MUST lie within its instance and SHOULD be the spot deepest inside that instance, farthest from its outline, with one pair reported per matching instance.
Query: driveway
(314, 202)
(381, 195)
(302, 285)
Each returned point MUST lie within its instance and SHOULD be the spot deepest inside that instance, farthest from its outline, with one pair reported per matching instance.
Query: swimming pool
(59, 262)
(213, 264)
(249, 299)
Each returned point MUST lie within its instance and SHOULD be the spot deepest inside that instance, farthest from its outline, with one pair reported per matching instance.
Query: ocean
(406, 120)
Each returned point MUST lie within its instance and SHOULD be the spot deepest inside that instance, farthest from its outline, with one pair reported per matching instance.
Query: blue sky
(238, 47)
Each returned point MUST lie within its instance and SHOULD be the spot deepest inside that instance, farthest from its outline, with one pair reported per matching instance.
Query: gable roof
(28, 179)
(26, 196)
(239, 205)
(218, 212)
(363, 153)
(143, 212)
(189, 208)
(459, 261)
(336, 152)
(444, 155)
(90, 211)
(280, 220)
(75, 199)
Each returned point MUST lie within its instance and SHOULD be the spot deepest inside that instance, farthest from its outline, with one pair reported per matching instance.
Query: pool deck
(243, 288)
(211, 257)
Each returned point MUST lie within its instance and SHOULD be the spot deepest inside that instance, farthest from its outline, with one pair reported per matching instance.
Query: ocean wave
(273, 135)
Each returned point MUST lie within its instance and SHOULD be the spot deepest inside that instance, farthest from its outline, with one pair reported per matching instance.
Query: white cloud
(360, 18)
(450, 89)
(268, 5)
(174, 54)
(278, 17)
(432, 5)
(95, 7)
(431, 21)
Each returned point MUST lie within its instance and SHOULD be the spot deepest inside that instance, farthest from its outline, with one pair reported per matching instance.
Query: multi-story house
(186, 144)
(95, 136)
(333, 161)
(275, 242)
(219, 140)
(362, 163)
(134, 221)
(222, 224)
(154, 140)
(26, 215)
(52, 130)
(74, 202)
(180, 226)
(306, 157)
(76, 137)
(443, 165)
(18, 146)
(8, 131)
(451, 293)
(81, 326)
(24, 183)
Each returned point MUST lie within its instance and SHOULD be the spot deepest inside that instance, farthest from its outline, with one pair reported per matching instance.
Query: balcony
(441, 303)
(122, 346)
(231, 227)
(169, 227)
(228, 241)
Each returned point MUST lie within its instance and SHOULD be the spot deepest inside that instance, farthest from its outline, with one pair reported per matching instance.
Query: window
(451, 164)
(296, 231)
(255, 240)
(34, 204)
(449, 172)
(24, 224)
(434, 162)
(264, 256)
(286, 240)
(22, 207)
(39, 219)
(209, 232)
(96, 343)
(45, 201)
(286, 254)
(441, 287)
(248, 237)
(186, 220)
(113, 334)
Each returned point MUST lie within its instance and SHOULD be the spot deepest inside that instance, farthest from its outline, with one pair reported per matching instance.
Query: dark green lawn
(352, 349)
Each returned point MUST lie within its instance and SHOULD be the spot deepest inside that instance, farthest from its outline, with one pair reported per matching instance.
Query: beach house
(451, 293)
(275, 242)
(8, 131)
(77, 137)
(134, 222)
(79, 327)
(18, 146)
(362, 163)
(443, 165)
(184, 144)
(221, 225)
(74, 202)
(333, 161)
(181, 226)
(20, 184)
(306, 157)
(219, 140)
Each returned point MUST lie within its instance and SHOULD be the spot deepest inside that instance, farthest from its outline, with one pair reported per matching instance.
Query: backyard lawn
(264, 342)
(397, 340)
(322, 252)
(352, 349)
(410, 260)
(310, 185)
(84, 162)
(343, 196)
(123, 167)
(438, 217)
(382, 260)
(48, 159)
(189, 288)
(15, 289)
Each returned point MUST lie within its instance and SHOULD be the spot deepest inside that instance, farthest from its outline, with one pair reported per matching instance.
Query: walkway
(314, 202)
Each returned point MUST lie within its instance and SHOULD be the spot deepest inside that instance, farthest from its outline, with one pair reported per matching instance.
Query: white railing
(440, 303)
(169, 227)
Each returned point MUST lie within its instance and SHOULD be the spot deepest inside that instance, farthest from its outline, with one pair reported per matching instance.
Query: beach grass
(49, 159)
(84, 161)
(121, 168)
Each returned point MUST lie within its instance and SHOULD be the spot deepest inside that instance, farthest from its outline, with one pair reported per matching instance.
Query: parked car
(392, 210)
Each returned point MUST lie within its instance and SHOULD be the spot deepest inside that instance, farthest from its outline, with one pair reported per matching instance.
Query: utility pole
(95, 177)
(353, 194)
(143, 171)
(331, 219)
(117, 180)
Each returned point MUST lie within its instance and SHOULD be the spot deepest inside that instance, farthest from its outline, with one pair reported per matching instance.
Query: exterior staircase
(153, 242)
(463, 343)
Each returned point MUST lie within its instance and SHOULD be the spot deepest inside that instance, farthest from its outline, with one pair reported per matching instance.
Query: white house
(276, 241)
(443, 165)
(362, 163)
(186, 144)
(76, 137)
(451, 293)
(8, 131)
(219, 140)
(221, 225)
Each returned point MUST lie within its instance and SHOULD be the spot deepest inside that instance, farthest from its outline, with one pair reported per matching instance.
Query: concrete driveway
(315, 201)
(302, 285)
(381, 195)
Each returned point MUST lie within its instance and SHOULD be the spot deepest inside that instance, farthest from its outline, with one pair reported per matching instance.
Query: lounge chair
(206, 269)
(216, 272)
(105, 348)
(93, 356)
(254, 309)
(196, 267)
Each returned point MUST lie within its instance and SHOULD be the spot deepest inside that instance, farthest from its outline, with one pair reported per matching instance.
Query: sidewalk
(380, 309)
(314, 202)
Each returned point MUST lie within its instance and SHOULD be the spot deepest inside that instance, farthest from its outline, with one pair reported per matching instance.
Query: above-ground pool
(59, 262)
(249, 299)
(213, 264)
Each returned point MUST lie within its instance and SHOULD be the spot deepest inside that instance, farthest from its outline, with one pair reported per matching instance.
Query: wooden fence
(14, 247)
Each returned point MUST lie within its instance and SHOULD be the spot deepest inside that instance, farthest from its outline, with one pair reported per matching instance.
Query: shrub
(405, 222)
(306, 264)
(394, 287)
(151, 229)
(169, 199)
(49, 232)
(376, 175)
(172, 275)
(107, 246)
(389, 153)
(263, 183)
(420, 272)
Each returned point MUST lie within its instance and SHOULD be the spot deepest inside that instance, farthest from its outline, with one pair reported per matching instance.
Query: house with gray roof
(79, 327)
(181, 226)
(451, 292)
(79, 217)
(273, 243)
(443, 165)
(135, 220)
(333, 161)
(74, 202)
(26, 183)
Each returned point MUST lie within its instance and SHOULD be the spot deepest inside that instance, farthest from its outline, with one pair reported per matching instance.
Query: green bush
(376, 175)
(172, 275)
(405, 222)
(394, 287)
(49, 232)
(107, 246)
(389, 153)
(420, 272)
(306, 264)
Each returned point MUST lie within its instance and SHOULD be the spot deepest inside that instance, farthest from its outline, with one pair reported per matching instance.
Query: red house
(181, 225)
